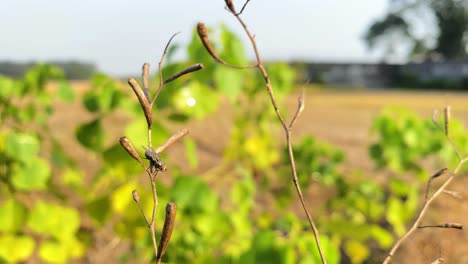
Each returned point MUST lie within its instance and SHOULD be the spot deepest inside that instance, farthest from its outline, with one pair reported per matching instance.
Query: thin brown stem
(161, 81)
(287, 131)
(423, 211)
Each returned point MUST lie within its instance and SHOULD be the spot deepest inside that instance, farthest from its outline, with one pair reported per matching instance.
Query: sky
(120, 35)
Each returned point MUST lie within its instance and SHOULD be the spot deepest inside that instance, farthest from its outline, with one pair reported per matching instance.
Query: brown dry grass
(338, 117)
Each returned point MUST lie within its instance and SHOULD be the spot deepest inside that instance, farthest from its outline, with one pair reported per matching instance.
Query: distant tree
(445, 23)
(74, 70)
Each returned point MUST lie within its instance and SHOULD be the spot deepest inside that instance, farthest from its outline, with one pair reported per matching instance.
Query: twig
(161, 82)
(287, 129)
(423, 211)
(446, 225)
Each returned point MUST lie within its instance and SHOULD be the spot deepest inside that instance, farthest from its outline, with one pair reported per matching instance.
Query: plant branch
(161, 81)
(287, 129)
(423, 211)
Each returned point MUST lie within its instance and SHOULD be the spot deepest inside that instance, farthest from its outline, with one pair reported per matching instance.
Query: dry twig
(287, 128)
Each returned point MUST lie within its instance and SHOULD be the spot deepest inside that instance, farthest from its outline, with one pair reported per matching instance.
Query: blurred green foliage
(220, 217)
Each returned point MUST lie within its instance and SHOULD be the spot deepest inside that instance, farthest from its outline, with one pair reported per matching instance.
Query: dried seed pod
(446, 119)
(438, 173)
(129, 148)
(190, 69)
(167, 230)
(230, 5)
(156, 163)
(175, 137)
(206, 42)
(145, 105)
(135, 196)
(145, 77)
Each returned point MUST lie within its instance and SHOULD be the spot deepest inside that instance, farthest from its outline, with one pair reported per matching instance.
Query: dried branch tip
(190, 69)
(129, 148)
(145, 105)
(145, 77)
(202, 33)
(135, 196)
(174, 138)
(231, 7)
(438, 173)
(167, 230)
(446, 119)
(446, 225)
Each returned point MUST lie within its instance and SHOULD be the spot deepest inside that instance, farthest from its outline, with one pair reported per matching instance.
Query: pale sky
(120, 35)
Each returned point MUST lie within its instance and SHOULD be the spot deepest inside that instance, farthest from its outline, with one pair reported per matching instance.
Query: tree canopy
(429, 27)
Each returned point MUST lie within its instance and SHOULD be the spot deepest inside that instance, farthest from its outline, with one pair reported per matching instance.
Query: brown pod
(167, 230)
(190, 69)
(145, 105)
(439, 173)
(446, 119)
(135, 196)
(206, 42)
(230, 5)
(129, 148)
(145, 77)
(175, 137)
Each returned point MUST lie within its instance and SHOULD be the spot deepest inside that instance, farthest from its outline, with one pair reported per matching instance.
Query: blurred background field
(366, 143)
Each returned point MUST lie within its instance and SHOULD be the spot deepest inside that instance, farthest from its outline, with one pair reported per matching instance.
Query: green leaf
(137, 133)
(228, 81)
(192, 195)
(12, 216)
(15, 249)
(65, 92)
(357, 251)
(52, 219)
(73, 178)
(32, 176)
(8, 87)
(53, 252)
(91, 135)
(121, 198)
(119, 164)
(383, 237)
(22, 146)
(196, 100)
(99, 209)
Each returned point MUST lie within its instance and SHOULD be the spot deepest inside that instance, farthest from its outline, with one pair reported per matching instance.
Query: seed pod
(129, 148)
(145, 105)
(167, 230)
(145, 77)
(206, 42)
(175, 137)
(438, 173)
(446, 119)
(135, 196)
(190, 69)
(230, 5)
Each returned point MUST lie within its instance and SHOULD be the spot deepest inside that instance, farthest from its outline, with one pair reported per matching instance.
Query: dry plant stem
(287, 130)
(161, 81)
(153, 214)
(447, 225)
(423, 211)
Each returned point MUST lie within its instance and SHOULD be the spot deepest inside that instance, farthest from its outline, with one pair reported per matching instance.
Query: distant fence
(449, 74)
